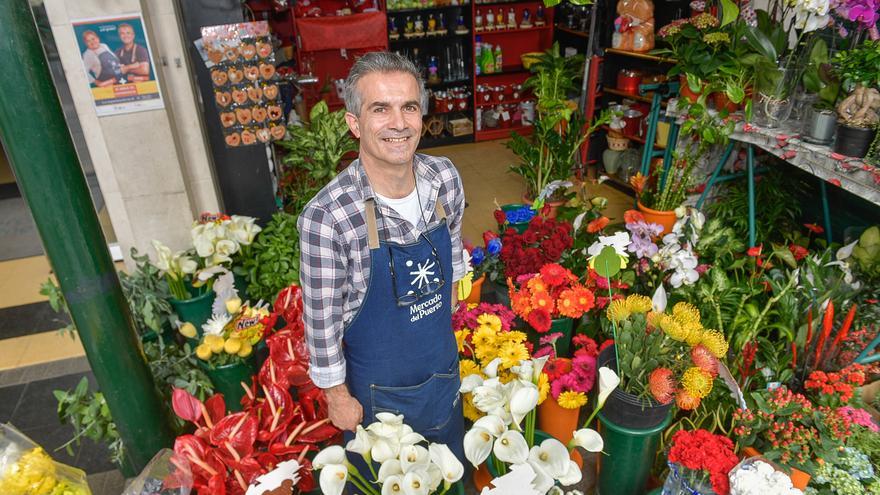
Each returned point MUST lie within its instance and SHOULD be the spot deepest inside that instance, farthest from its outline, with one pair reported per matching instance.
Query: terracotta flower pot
(664, 218)
(476, 288)
(799, 479)
(723, 102)
(560, 423)
(685, 90)
(554, 205)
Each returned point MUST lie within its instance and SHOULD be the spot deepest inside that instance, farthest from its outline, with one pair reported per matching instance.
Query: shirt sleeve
(455, 200)
(323, 269)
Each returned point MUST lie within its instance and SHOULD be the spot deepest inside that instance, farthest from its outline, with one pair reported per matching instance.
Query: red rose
(500, 217)
(488, 236)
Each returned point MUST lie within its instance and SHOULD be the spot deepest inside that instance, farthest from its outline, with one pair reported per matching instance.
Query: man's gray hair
(379, 62)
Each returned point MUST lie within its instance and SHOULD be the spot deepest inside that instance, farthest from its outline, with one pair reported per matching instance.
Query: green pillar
(40, 150)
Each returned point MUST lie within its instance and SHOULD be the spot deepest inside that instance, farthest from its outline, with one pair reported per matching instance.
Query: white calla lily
(538, 367)
(387, 469)
(477, 445)
(384, 449)
(491, 369)
(334, 454)
(411, 438)
(493, 424)
(588, 439)
(361, 443)
(451, 469)
(411, 456)
(542, 481)
(387, 418)
(608, 381)
(551, 456)
(658, 302)
(490, 396)
(523, 401)
(511, 447)
(469, 383)
(415, 484)
(333, 478)
(572, 475)
(393, 485)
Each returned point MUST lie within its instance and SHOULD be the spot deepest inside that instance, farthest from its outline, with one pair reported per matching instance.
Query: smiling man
(381, 252)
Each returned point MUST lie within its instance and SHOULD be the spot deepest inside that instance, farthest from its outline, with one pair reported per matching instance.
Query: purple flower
(640, 238)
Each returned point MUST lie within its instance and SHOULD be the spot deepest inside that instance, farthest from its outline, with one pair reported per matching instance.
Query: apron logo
(422, 273)
(422, 309)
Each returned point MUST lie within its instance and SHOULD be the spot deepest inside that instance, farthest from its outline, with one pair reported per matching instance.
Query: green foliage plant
(147, 295)
(87, 412)
(314, 151)
(859, 66)
(272, 262)
(819, 77)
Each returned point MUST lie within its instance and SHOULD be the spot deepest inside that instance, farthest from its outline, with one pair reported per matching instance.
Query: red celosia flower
(814, 228)
(554, 274)
(704, 359)
(686, 401)
(633, 216)
(755, 251)
(661, 384)
(540, 320)
(799, 252)
(597, 225)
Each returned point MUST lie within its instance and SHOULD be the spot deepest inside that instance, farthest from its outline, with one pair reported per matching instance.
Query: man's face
(126, 34)
(390, 121)
(92, 41)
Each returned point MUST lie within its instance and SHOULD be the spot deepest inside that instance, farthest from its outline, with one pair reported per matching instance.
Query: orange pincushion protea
(661, 384)
(686, 401)
(704, 359)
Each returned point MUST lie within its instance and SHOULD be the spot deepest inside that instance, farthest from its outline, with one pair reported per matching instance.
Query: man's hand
(344, 410)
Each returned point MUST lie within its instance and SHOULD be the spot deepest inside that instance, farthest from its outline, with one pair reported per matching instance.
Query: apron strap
(372, 230)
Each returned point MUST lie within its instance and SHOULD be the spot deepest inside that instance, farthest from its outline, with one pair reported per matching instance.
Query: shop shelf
(448, 84)
(634, 138)
(510, 69)
(429, 9)
(573, 32)
(428, 39)
(505, 102)
(643, 56)
(646, 99)
(619, 184)
(502, 133)
(428, 142)
(490, 4)
(466, 111)
(511, 31)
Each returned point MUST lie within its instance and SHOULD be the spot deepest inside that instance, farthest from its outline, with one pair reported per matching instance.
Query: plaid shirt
(335, 256)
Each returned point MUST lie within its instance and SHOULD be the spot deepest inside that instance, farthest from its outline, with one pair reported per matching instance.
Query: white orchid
(478, 443)
(511, 447)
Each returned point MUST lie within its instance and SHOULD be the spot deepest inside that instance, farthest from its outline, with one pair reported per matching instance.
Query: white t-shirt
(408, 207)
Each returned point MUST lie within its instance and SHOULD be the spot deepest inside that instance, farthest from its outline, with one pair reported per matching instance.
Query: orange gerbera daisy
(584, 297)
(567, 305)
(633, 216)
(543, 300)
(520, 303)
(597, 225)
(537, 284)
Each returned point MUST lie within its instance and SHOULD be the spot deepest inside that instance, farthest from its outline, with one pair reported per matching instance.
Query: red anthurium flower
(814, 228)
(755, 251)
(799, 252)
(597, 225)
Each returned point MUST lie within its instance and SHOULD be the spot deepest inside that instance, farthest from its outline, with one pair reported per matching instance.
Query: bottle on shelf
(432, 25)
(478, 55)
(441, 25)
(408, 27)
(511, 19)
(478, 22)
(526, 19)
(498, 59)
(487, 59)
(460, 27)
(433, 70)
(419, 27)
(539, 16)
(393, 33)
(490, 21)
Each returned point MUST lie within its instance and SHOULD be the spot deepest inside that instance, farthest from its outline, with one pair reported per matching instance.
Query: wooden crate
(460, 127)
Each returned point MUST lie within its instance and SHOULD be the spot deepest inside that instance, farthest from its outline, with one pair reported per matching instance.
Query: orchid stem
(613, 325)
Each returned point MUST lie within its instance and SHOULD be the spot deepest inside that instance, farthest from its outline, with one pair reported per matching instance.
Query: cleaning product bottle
(478, 53)
(488, 59)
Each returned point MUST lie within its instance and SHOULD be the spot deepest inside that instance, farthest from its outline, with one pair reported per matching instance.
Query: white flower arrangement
(756, 477)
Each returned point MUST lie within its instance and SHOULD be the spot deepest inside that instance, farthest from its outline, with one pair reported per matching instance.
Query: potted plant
(271, 263)
(859, 112)
(558, 130)
(549, 301)
(314, 151)
(486, 263)
(819, 79)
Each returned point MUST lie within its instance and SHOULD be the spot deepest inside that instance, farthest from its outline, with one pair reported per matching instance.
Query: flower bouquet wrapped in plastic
(757, 476)
(26, 469)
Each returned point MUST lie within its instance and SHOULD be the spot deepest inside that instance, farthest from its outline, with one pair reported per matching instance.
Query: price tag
(505, 115)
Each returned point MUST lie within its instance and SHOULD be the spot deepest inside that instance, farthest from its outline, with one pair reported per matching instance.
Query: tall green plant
(314, 151)
(272, 261)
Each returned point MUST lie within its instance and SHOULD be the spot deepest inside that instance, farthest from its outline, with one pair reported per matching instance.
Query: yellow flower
(686, 314)
(246, 349)
(571, 399)
(637, 303)
(232, 346)
(694, 334)
(490, 320)
(511, 353)
(715, 342)
(672, 328)
(617, 310)
(470, 411)
(461, 338)
(513, 336)
(483, 336)
(696, 382)
(485, 353)
(467, 367)
(203, 351)
(543, 387)
(506, 376)
(536, 284)
(215, 343)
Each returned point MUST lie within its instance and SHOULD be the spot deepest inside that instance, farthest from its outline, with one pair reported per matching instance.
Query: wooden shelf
(511, 69)
(573, 32)
(427, 39)
(502, 132)
(505, 102)
(511, 31)
(491, 4)
(446, 84)
(467, 111)
(646, 99)
(428, 9)
(634, 138)
(619, 184)
(643, 56)
(428, 142)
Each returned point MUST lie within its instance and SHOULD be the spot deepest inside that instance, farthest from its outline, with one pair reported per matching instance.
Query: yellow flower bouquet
(231, 337)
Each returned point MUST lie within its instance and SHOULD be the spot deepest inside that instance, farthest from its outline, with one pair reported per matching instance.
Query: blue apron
(400, 351)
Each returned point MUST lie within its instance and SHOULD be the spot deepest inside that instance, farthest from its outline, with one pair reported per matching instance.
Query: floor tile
(20, 280)
(11, 351)
(28, 319)
(9, 399)
(52, 437)
(51, 346)
(37, 407)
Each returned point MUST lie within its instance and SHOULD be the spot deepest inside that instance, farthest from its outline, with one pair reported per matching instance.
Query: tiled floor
(35, 359)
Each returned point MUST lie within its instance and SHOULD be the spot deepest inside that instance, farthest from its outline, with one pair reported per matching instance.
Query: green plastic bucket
(629, 454)
(196, 310)
(227, 380)
(563, 344)
(520, 227)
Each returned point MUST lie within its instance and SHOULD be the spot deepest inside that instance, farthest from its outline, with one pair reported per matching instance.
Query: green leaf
(760, 43)
(729, 11)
